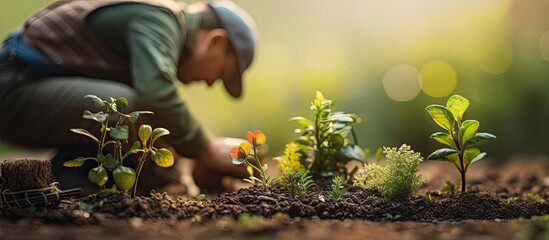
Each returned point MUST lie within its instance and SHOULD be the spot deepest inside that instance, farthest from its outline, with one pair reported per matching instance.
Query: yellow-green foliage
(289, 163)
(370, 177)
(398, 179)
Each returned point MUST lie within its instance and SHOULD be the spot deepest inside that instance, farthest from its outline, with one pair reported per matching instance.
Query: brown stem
(462, 181)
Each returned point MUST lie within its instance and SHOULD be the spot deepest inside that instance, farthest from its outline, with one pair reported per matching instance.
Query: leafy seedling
(461, 137)
(337, 190)
(326, 139)
(295, 177)
(398, 179)
(448, 187)
(200, 198)
(510, 200)
(533, 196)
(392, 217)
(240, 154)
(112, 139)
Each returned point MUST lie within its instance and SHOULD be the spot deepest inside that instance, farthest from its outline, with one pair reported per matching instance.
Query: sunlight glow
(544, 45)
(495, 56)
(438, 78)
(401, 83)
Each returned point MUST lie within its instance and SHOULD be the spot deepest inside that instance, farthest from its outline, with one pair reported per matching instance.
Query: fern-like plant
(398, 179)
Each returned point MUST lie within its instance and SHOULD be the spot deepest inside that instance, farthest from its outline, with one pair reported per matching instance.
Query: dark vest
(59, 31)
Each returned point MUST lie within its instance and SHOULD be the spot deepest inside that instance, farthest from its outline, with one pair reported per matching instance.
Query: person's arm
(154, 42)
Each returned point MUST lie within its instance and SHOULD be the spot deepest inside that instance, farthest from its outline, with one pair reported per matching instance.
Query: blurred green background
(385, 61)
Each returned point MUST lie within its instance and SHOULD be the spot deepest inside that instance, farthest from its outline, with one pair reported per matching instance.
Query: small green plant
(250, 223)
(461, 137)
(398, 179)
(337, 190)
(533, 196)
(295, 177)
(200, 198)
(392, 217)
(429, 197)
(85, 206)
(240, 154)
(297, 183)
(448, 187)
(32, 211)
(112, 139)
(510, 200)
(324, 141)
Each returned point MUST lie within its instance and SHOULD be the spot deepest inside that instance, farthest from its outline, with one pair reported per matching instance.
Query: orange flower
(239, 153)
(257, 137)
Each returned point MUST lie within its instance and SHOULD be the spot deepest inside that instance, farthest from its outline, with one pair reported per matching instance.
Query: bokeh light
(495, 56)
(401, 83)
(544, 45)
(438, 78)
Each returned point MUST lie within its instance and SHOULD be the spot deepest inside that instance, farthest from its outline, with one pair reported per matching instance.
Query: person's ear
(216, 38)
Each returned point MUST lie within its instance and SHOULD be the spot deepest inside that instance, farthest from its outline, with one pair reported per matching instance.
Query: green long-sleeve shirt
(151, 38)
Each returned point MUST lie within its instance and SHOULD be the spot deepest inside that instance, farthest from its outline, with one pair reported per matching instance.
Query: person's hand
(214, 170)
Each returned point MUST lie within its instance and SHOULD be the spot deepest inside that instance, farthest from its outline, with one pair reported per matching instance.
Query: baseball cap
(242, 36)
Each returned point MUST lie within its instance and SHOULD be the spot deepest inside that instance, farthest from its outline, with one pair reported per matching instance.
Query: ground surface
(502, 199)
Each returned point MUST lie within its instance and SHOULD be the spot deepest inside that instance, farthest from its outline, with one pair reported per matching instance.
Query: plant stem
(139, 167)
(462, 181)
(355, 138)
(261, 170)
(104, 133)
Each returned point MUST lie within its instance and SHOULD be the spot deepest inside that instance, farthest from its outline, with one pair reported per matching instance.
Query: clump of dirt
(25, 174)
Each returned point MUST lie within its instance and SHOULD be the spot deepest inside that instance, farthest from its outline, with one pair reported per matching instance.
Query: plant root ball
(25, 174)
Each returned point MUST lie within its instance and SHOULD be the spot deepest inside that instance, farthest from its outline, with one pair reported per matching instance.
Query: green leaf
(158, 132)
(457, 105)
(442, 116)
(442, 154)
(120, 132)
(472, 155)
(162, 157)
(98, 117)
(97, 102)
(124, 177)
(341, 117)
(121, 103)
(319, 96)
(144, 133)
(479, 139)
(85, 133)
(135, 148)
(301, 121)
(352, 152)
(78, 162)
(110, 162)
(135, 115)
(444, 138)
(336, 141)
(467, 130)
(98, 175)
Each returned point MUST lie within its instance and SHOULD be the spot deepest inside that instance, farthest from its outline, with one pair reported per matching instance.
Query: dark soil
(511, 192)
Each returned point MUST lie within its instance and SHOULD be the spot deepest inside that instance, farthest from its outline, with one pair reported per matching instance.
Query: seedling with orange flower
(240, 154)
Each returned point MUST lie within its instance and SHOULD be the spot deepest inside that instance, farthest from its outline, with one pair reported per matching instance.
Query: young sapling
(113, 138)
(325, 140)
(295, 177)
(240, 154)
(337, 190)
(461, 136)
